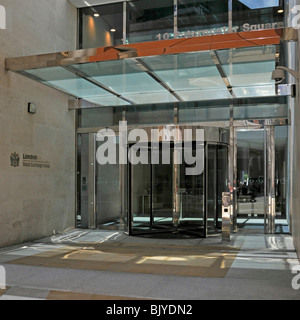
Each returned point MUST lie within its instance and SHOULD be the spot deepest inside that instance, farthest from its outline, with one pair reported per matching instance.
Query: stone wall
(35, 201)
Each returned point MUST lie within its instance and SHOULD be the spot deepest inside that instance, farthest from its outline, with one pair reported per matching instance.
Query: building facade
(35, 201)
(98, 109)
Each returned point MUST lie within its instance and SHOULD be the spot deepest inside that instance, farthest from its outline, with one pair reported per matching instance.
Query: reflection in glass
(153, 193)
(150, 114)
(100, 117)
(101, 26)
(150, 20)
(281, 178)
(162, 194)
(217, 176)
(212, 185)
(108, 194)
(140, 195)
(251, 15)
(259, 4)
(158, 20)
(263, 111)
(152, 198)
(191, 195)
(251, 173)
(222, 180)
(196, 112)
(252, 177)
(202, 18)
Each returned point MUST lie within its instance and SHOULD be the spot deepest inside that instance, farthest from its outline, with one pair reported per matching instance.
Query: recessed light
(113, 30)
(280, 11)
(96, 15)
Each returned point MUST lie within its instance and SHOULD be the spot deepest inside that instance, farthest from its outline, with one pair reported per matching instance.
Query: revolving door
(178, 197)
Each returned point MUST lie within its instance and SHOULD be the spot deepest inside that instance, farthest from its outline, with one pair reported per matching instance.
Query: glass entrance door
(251, 173)
(151, 192)
(165, 199)
(217, 183)
(262, 182)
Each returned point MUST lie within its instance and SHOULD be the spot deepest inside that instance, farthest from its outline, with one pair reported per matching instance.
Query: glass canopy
(182, 77)
(217, 67)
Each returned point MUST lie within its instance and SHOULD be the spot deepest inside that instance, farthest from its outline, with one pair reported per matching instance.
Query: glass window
(202, 18)
(150, 114)
(251, 15)
(100, 117)
(150, 20)
(203, 112)
(251, 174)
(155, 20)
(101, 26)
(266, 111)
(281, 178)
(160, 20)
(262, 108)
(108, 193)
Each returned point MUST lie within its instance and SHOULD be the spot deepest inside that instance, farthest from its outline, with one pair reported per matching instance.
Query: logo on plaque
(15, 160)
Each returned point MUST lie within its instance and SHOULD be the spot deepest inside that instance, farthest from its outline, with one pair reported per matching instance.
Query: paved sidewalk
(108, 265)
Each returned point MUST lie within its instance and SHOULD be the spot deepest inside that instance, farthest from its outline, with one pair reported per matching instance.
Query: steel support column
(92, 182)
(270, 181)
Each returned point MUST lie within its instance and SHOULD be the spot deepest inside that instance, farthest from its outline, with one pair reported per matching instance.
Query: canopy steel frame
(146, 49)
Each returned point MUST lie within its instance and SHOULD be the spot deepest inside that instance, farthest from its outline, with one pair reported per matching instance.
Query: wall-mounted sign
(15, 160)
(28, 161)
(220, 30)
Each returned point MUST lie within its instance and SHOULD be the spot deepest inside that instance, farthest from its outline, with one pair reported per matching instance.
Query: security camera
(278, 75)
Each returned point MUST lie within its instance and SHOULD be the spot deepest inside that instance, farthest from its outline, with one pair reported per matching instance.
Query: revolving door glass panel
(190, 213)
(217, 183)
(164, 199)
(151, 191)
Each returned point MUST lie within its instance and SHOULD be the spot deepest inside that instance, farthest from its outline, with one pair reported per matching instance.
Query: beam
(146, 49)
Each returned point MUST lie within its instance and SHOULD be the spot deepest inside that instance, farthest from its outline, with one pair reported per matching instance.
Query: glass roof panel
(204, 95)
(70, 83)
(128, 79)
(190, 71)
(193, 76)
(247, 67)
